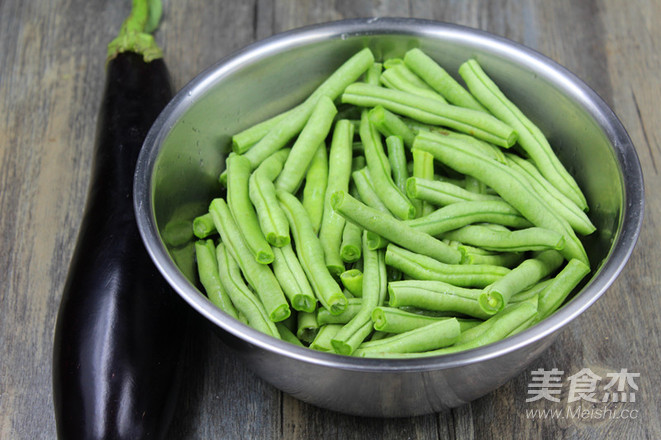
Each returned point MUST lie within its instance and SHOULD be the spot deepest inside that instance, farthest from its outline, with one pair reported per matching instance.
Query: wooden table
(51, 76)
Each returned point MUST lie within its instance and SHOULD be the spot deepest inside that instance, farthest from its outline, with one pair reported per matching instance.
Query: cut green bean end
(337, 303)
(264, 257)
(411, 188)
(352, 280)
(280, 313)
(375, 241)
(303, 303)
(342, 347)
(379, 319)
(277, 240)
(491, 302)
(350, 253)
(203, 227)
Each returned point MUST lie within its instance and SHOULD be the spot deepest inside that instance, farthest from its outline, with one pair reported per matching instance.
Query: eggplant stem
(134, 35)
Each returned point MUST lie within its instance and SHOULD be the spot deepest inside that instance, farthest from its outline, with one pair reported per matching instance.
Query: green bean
(437, 296)
(474, 185)
(441, 81)
(530, 292)
(311, 254)
(346, 74)
(474, 332)
(398, 163)
(394, 320)
(389, 124)
(279, 135)
(261, 191)
(423, 168)
(353, 307)
(287, 335)
(391, 62)
(492, 330)
(432, 313)
(352, 280)
(511, 186)
(207, 269)
(365, 188)
(496, 296)
(380, 171)
(271, 167)
(375, 336)
(437, 134)
(242, 318)
(373, 74)
(307, 326)
(559, 288)
(259, 276)
(402, 70)
(314, 190)
(339, 176)
(399, 77)
(511, 321)
(475, 255)
(308, 142)
(375, 284)
(477, 123)
(504, 323)
(504, 259)
(518, 240)
(243, 140)
(290, 126)
(290, 274)
(392, 229)
(420, 267)
(531, 138)
(442, 193)
(238, 199)
(352, 235)
(322, 342)
(242, 297)
(466, 324)
(461, 214)
(203, 226)
(560, 203)
(494, 227)
(523, 326)
(350, 248)
(430, 337)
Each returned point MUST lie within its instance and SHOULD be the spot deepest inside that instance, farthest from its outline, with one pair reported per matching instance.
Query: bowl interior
(184, 153)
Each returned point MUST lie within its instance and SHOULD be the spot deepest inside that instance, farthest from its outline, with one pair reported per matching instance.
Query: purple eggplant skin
(121, 330)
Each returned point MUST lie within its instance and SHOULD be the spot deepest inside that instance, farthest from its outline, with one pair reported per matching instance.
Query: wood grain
(51, 76)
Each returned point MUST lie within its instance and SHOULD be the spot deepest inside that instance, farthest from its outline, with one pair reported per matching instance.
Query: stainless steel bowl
(177, 176)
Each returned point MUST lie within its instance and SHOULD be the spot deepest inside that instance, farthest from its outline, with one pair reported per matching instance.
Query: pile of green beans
(398, 212)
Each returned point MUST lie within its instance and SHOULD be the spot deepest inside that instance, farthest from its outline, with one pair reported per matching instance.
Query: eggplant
(121, 330)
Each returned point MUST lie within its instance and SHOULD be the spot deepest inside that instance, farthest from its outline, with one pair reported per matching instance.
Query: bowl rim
(623, 243)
